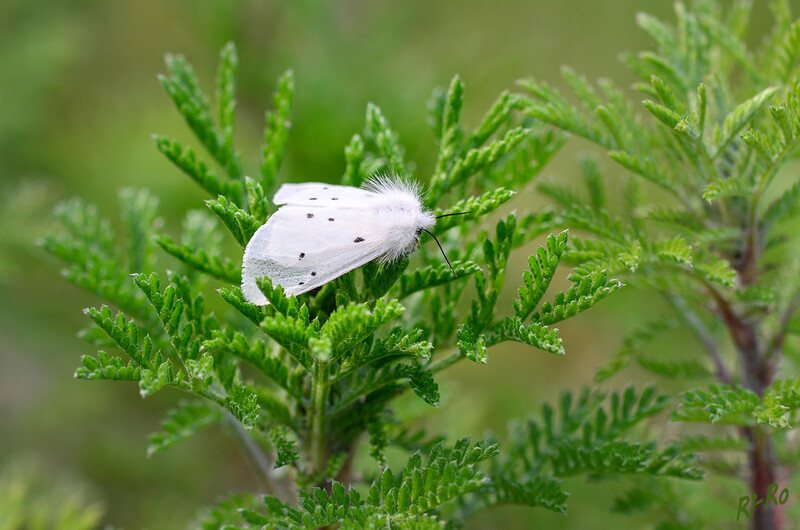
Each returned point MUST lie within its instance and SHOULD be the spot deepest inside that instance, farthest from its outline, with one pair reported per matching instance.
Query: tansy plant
(305, 381)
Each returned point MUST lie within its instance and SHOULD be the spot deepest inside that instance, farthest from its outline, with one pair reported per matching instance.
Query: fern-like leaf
(182, 423)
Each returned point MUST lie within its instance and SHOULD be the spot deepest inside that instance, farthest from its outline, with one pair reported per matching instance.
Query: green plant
(305, 381)
(714, 237)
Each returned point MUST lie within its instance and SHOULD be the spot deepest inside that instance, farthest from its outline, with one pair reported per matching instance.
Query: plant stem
(448, 360)
(756, 374)
(260, 461)
(761, 459)
(705, 337)
(319, 400)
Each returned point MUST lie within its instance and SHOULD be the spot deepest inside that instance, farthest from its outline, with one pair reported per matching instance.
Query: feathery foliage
(586, 434)
(704, 220)
(303, 379)
(711, 144)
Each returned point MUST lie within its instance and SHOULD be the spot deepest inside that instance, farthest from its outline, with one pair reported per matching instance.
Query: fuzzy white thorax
(399, 208)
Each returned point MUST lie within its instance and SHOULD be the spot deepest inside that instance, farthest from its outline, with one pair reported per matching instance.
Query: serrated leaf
(239, 223)
(433, 276)
(183, 88)
(674, 369)
(199, 259)
(631, 258)
(233, 296)
(675, 249)
(728, 187)
(94, 263)
(397, 343)
(785, 122)
(739, 117)
(585, 292)
(270, 365)
(718, 404)
(472, 345)
(551, 107)
(285, 448)
(542, 266)
(534, 334)
(540, 491)
(450, 132)
(187, 161)
(200, 372)
(472, 208)
(424, 386)
(138, 212)
(666, 94)
(293, 334)
(350, 325)
(386, 140)
(702, 443)
(182, 423)
(276, 130)
(244, 406)
(498, 114)
(668, 117)
(478, 159)
(126, 335)
(226, 105)
(757, 141)
(106, 367)
(717, 270)
(153, 380)
(378, 441)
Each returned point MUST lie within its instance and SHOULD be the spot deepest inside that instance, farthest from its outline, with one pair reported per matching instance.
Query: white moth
(323, 231)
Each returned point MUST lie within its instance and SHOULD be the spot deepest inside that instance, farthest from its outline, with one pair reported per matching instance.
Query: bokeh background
(79, 100)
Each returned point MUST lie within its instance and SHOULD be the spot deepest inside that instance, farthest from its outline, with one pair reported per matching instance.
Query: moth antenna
(440, 248)
(451, 214)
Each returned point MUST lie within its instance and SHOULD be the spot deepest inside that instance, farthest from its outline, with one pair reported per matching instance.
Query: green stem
(261, 462)
(705, 337)
(319, 401)
(448, 360)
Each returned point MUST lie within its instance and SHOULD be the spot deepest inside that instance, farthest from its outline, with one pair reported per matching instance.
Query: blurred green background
(78, 101)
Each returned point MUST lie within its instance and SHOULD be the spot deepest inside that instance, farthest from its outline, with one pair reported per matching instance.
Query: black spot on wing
(330, 218)
(301, 283)
(358, 240)
(312, 198)
(334, 198)
(313, 274)
(309, 215)
(302, 255)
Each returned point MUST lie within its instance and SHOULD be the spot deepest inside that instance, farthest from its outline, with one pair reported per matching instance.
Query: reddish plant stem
(756, 376)
(761, 461)
(757, 373)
